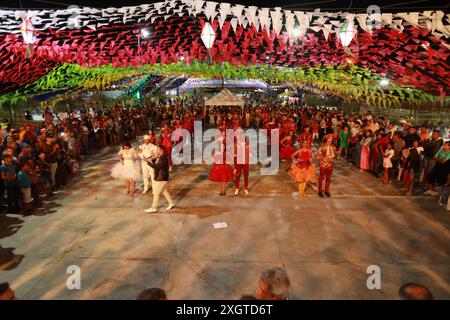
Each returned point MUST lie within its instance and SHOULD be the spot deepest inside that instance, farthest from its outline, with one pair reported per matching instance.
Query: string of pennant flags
(411, 48)
(351, 83)
(273, 20)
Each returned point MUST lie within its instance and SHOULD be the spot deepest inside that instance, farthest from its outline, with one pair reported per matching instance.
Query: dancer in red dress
(176, 124)
(302, 170)
(306, 135)
(315, 131)
(221, 171)
(152, 137)
(241, 162)
(187, 123)
(287, 148)
(165, 140)
(236, 121)
(269, 126)
(288, 125)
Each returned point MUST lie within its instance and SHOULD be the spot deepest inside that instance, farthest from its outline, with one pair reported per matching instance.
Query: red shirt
(304, 136)
(238, 149)
(315, 127)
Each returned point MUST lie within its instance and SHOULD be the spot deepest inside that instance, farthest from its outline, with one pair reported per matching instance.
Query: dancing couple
(303, 171)
(223, 172)
(154, 168)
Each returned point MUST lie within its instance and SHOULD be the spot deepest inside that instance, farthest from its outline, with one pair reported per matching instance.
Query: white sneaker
(246, 192)
(427, 193)
(170, 206)
(151, 210)
(236, 192)
(144, 191)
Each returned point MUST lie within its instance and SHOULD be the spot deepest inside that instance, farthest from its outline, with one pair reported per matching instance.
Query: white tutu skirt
(129, 170)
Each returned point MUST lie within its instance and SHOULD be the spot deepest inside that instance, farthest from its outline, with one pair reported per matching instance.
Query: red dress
(221, 172)
(235, 123)
(152, 139)
(187, 125)
(287, 151)
(305, 137)
(380, 142)
(288, 125)
(303, 170)
(176, 126)
(165, 139)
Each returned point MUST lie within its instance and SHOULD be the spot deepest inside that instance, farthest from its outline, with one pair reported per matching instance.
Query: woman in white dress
(128, 168)
(387, 162)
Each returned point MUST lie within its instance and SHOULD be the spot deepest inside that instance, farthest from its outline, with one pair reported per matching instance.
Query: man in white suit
(147, 150)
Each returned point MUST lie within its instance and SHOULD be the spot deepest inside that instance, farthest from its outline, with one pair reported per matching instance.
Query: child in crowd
(44, 172)
(25, 186)
(387, 163)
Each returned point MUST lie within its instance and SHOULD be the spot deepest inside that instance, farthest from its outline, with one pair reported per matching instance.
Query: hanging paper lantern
(29, 35)
(208, 35)
(347, 32)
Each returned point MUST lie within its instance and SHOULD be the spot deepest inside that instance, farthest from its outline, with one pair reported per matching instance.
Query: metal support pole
(139, 47)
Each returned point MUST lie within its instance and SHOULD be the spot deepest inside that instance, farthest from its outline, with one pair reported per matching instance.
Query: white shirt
(148, 150)
(375, 126)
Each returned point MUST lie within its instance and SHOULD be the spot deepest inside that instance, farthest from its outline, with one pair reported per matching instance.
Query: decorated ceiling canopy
(106, 46)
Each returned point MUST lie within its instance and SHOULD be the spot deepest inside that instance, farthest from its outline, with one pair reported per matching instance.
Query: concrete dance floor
(325, 245)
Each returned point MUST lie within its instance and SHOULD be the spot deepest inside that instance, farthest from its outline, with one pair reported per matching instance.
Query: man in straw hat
(147, 150)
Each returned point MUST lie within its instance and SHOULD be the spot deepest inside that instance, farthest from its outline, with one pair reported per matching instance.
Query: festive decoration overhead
(208, 35)
(412, 49)
(347, 32)
(28, 34)
(348, 82)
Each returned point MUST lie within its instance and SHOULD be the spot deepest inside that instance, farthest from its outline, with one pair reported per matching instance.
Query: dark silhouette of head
(414, 291)
(152, 294)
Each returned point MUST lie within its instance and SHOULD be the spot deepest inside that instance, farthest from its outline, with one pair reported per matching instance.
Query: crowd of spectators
(39, 158)
(396, 151)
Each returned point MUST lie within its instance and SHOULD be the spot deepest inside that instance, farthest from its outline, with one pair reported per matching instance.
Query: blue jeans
(444, 194)
(46, 178)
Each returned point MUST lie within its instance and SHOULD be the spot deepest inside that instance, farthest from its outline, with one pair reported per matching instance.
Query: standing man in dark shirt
(44, 170)
(8, 172)
(160, 164)
(51, 150)
(431, 147)
(411, 137)
(413, 165)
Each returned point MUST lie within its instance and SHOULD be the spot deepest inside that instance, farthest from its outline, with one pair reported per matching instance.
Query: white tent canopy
(225, 98)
